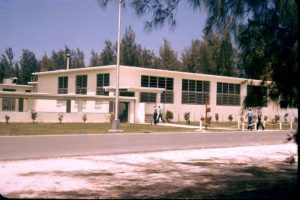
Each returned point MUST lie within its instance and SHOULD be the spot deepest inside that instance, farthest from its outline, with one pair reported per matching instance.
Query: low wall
(53, 117)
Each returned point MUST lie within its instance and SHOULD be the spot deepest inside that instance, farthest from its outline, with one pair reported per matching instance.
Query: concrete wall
(43, 105)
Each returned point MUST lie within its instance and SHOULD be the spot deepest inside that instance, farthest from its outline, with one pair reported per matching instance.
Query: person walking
(259, 123)
(155, 115)
(160, 114)
(249, 116)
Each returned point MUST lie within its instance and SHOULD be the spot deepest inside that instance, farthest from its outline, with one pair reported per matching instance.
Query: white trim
(62, 96)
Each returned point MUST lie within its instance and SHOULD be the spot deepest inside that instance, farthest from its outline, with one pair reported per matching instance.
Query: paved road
(31, 147)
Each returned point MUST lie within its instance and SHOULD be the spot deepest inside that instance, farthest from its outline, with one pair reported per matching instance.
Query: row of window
(193, 91)
(167, 96)
(81, 84)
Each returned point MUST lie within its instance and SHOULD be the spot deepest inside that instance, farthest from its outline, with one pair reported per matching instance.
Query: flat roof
(16, 86)
(97, 68)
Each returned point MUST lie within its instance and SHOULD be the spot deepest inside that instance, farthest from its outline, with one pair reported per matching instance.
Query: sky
(45, 25)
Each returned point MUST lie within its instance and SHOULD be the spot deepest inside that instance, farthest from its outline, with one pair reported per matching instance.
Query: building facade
(91, 91)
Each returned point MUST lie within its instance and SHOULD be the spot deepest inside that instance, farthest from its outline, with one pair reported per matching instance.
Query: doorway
(123, 111)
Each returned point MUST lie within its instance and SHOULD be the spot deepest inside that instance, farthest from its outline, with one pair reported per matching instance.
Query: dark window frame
(148, 97)
(195, 92)
(228, 94)
(166, 83)
(62, 85)
(81, 84)
(103, 80)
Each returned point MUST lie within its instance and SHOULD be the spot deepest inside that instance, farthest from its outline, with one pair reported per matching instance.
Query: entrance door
(68, 106)
(21, 104)
(123, 111)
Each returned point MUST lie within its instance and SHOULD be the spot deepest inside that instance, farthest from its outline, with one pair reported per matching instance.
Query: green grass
(80, 128)
(103, 128)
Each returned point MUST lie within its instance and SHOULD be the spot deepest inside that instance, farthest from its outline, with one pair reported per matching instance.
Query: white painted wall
(131, 77)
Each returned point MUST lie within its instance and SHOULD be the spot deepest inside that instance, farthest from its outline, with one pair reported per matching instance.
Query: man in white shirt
(160, 115)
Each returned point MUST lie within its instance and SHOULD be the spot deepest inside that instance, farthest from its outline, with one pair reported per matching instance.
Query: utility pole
(116, 122)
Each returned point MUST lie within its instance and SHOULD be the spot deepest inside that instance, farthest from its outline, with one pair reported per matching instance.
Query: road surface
(32, 147)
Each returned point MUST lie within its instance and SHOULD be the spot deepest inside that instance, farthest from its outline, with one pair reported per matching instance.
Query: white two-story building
(91, 91)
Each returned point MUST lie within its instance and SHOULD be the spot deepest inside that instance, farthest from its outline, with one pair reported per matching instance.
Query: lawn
(103, 128)
(80, 128)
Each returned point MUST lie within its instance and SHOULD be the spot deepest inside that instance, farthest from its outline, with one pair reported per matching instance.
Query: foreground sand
(237, 172)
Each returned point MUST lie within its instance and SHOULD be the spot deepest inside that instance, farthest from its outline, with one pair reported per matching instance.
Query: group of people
(158, 114)
(250, 118)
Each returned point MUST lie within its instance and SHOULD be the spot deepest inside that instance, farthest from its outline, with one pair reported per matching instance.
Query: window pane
(144, 97)
(84, 81)
(199, 86)
(152, 97)
(167, 97)
(237, 89)
(81, 84)
(231, 88)
(161, 82)
(206, 86)
(8, 104)
(199, 98)
(63, 85)
(219, 88)
(225, 88)
(184, 97)
(219, 99)
(106, 80)
(192, 85)
(148, 97)
(145, 81)
(99, 80)
(192, 97)
(170, 83)
(206, 99)
(153, 81)
(185, 85)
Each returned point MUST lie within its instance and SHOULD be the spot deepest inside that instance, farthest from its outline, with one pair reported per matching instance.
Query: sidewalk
(233, 173)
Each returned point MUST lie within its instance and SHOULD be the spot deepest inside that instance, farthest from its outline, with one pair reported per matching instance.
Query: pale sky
(45, 25)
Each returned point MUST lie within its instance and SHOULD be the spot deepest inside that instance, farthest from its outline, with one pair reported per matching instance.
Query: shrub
(33, 115)
(111, 117)
(217, 117)
(7, 119)
(276, 118)
(169, 115)
(60, 117)
(187, 117)
(230, 118)
(84, 118)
